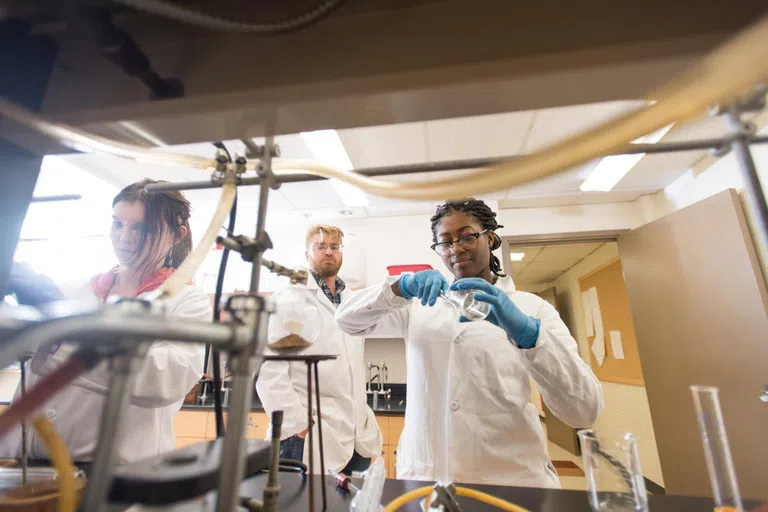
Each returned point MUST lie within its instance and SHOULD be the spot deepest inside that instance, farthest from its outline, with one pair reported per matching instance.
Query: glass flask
(464, 303)
(612, 468)
(717, 451)
(297, 321)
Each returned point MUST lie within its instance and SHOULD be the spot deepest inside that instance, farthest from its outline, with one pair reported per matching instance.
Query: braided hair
(484, 216)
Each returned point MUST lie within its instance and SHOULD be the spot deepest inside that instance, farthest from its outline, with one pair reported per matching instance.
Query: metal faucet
(368, 387)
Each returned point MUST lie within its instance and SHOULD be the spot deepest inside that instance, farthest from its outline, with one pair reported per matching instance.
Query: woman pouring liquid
(150, 236)
(468, 417)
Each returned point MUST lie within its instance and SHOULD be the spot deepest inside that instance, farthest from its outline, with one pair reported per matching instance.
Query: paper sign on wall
(597, 317)
(586, 305)
(598, 345)
(616, 345)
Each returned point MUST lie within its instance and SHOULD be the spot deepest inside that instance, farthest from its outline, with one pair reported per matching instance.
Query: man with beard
(351, 435)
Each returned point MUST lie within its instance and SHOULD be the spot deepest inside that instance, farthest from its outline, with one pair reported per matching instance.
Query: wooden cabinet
(190, 424)
(196, 426)
(391, 428)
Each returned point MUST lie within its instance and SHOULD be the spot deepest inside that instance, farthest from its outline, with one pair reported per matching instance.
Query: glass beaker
(464, 303)
(297, 321)
(717, 451)
(612, 468)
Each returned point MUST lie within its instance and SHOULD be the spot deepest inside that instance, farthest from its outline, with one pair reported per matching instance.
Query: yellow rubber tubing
(423, 492)
(59, 455)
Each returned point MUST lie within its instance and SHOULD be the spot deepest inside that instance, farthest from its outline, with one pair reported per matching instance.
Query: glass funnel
(464, 303)
(297, 321)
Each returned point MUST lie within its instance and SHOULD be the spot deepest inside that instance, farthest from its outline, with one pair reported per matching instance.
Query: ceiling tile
(378, 146)
(566, 252)
(555, 124)
(478, 136)
(312, 195)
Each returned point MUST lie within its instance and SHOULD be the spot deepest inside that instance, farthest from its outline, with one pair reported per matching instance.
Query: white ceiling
(545, 263)
(450, 139)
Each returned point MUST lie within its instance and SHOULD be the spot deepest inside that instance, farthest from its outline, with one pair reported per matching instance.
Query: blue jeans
(293, 448)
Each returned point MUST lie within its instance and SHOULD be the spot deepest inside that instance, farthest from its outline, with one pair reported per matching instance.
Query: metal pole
(455, 165)
(320, 435)
(24, 449)
(111, 431)
(244, 367)
(311, 437)
(753, 189)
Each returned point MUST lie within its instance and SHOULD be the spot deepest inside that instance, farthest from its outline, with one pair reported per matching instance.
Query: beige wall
(626, 406)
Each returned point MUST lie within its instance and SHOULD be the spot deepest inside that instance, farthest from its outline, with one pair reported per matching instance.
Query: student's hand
(303, 434)
(425, 285)
(521, 329)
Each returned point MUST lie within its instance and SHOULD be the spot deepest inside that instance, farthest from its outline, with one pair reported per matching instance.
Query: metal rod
(454, 165)
(752, 186)
(272, 489)
(112, 429)
(91, 329)
(245, 366)
(233, 454)
(52, 199)
(311, 437)
(24, 449)
(320, 434)
(261, 220)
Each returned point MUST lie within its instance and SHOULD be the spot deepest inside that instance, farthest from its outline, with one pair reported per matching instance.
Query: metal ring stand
(311, 361)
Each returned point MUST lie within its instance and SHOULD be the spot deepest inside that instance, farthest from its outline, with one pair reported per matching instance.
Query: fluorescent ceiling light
(611, 169)
(516, 256)
(328, 149)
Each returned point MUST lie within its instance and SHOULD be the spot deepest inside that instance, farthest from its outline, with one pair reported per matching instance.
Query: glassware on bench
(612, 468)
(717, 450)
(297, 321)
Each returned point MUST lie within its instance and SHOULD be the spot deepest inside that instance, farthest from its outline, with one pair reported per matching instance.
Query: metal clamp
(442, 499)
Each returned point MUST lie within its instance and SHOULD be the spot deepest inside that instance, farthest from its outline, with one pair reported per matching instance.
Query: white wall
(390, 351)
(696, 185)
(626, 407)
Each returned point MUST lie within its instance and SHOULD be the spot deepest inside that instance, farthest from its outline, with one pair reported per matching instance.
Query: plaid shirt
(335, 299)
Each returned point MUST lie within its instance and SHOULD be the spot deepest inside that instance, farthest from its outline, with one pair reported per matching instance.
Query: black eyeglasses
(466, 242)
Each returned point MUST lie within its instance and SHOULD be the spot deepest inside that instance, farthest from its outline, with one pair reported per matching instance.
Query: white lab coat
(168, 372)
(468, 417)
(348, 423)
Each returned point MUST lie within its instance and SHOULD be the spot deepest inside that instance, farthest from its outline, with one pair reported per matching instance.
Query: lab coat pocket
(498, 372)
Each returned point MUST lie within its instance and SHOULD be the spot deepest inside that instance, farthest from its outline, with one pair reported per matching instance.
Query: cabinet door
(390, 461)
(258, 424)
(395, 429)
(181, 442)
(383, 422)
(190, 424)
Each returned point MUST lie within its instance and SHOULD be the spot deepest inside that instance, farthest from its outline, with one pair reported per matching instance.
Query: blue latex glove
(522, 330)
(425, 285)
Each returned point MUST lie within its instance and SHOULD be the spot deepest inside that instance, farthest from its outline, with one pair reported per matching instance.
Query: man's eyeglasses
(325, 247)
(466, 242)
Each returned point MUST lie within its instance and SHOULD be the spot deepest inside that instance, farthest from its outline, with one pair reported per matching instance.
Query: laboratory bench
(294, 497)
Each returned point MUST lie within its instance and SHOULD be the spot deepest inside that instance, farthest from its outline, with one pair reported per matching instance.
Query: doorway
(561, 269)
